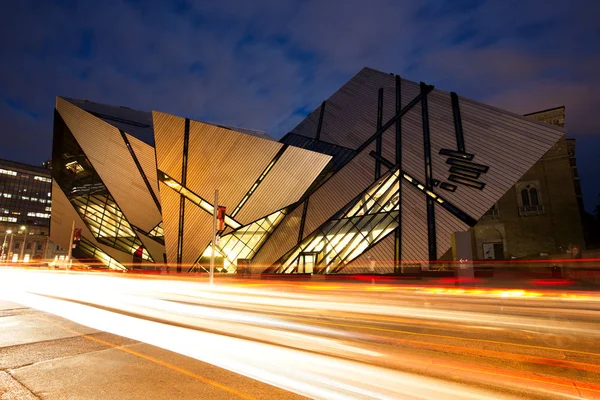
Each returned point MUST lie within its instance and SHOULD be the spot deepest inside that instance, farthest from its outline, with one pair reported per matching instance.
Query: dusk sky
(265, 64)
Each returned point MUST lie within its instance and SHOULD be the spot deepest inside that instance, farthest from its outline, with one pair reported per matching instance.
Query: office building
(25, 206)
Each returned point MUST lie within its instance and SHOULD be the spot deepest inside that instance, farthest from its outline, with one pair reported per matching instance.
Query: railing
(531, 210)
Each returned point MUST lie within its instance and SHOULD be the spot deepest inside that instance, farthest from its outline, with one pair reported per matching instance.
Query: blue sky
(265, 64)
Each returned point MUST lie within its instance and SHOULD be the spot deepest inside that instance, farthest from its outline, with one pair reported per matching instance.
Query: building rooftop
(28, 167)
(139, 123)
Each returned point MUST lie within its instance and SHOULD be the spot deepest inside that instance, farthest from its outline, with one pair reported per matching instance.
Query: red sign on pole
(221, 218)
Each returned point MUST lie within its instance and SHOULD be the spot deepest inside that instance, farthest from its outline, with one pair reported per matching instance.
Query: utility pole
(71, 245)
(9, 252)
(214, 238)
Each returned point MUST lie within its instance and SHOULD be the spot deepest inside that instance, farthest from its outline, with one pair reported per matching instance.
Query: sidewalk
(46, 357)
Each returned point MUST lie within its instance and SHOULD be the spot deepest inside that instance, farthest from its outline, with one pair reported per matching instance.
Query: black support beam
(184, 162)
(431, 236)
(379, 140)
(320, 125)
(398, 230)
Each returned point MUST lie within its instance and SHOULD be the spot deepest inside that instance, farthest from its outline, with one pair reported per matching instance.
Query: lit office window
(7, 172)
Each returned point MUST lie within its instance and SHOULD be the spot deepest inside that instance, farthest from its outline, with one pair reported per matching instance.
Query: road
(343, 340)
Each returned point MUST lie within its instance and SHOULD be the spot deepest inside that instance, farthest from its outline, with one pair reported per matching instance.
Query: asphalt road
(271, 339)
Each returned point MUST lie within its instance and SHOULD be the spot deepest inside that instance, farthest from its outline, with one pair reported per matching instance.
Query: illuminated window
(194, 198)
(48, 208)
(7, 172)
(42, 178)
(8, 219)
(242, 243)
(158, 230)
(38, 215)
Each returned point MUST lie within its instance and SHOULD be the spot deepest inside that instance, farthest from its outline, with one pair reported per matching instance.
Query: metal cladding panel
(378, 259)
(155, 249)
(308, 126)
(147, 159)
(61, 220)
(169, 201)
(105, 148)
(340, 189)
(340, 154)
(281, 240)
(227, 160)
(388, 147)
(197, 232)
(414, 226)
(287, 181)
(134, 122)
(508, 144)
(351, 113)
(413, 161)
(168, 138)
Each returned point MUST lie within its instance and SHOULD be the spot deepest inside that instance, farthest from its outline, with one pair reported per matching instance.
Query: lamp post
(8, 232)
(24, 229)
(214, 238)
(9, 252)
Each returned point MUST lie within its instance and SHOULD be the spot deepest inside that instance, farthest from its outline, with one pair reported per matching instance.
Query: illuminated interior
(158, 231)
(92, 251)
(348, 234)
(242, 243)
(194, 198)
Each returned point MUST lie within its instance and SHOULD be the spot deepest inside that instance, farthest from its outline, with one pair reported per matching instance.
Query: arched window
(529, 198)
(533, 197)
(525, 198)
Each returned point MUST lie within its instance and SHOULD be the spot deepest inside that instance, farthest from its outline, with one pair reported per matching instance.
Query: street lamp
(8, 232)
(24, 229)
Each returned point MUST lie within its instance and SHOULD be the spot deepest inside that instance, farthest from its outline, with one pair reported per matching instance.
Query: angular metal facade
(376, 179)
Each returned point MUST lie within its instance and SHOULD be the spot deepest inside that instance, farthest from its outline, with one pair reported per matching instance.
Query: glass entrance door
(307, 263)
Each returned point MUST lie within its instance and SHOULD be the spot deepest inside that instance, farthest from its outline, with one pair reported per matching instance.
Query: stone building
(541, 214)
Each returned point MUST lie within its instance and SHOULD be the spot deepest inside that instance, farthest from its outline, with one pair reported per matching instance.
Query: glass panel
(369, 219)
(245, 241)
